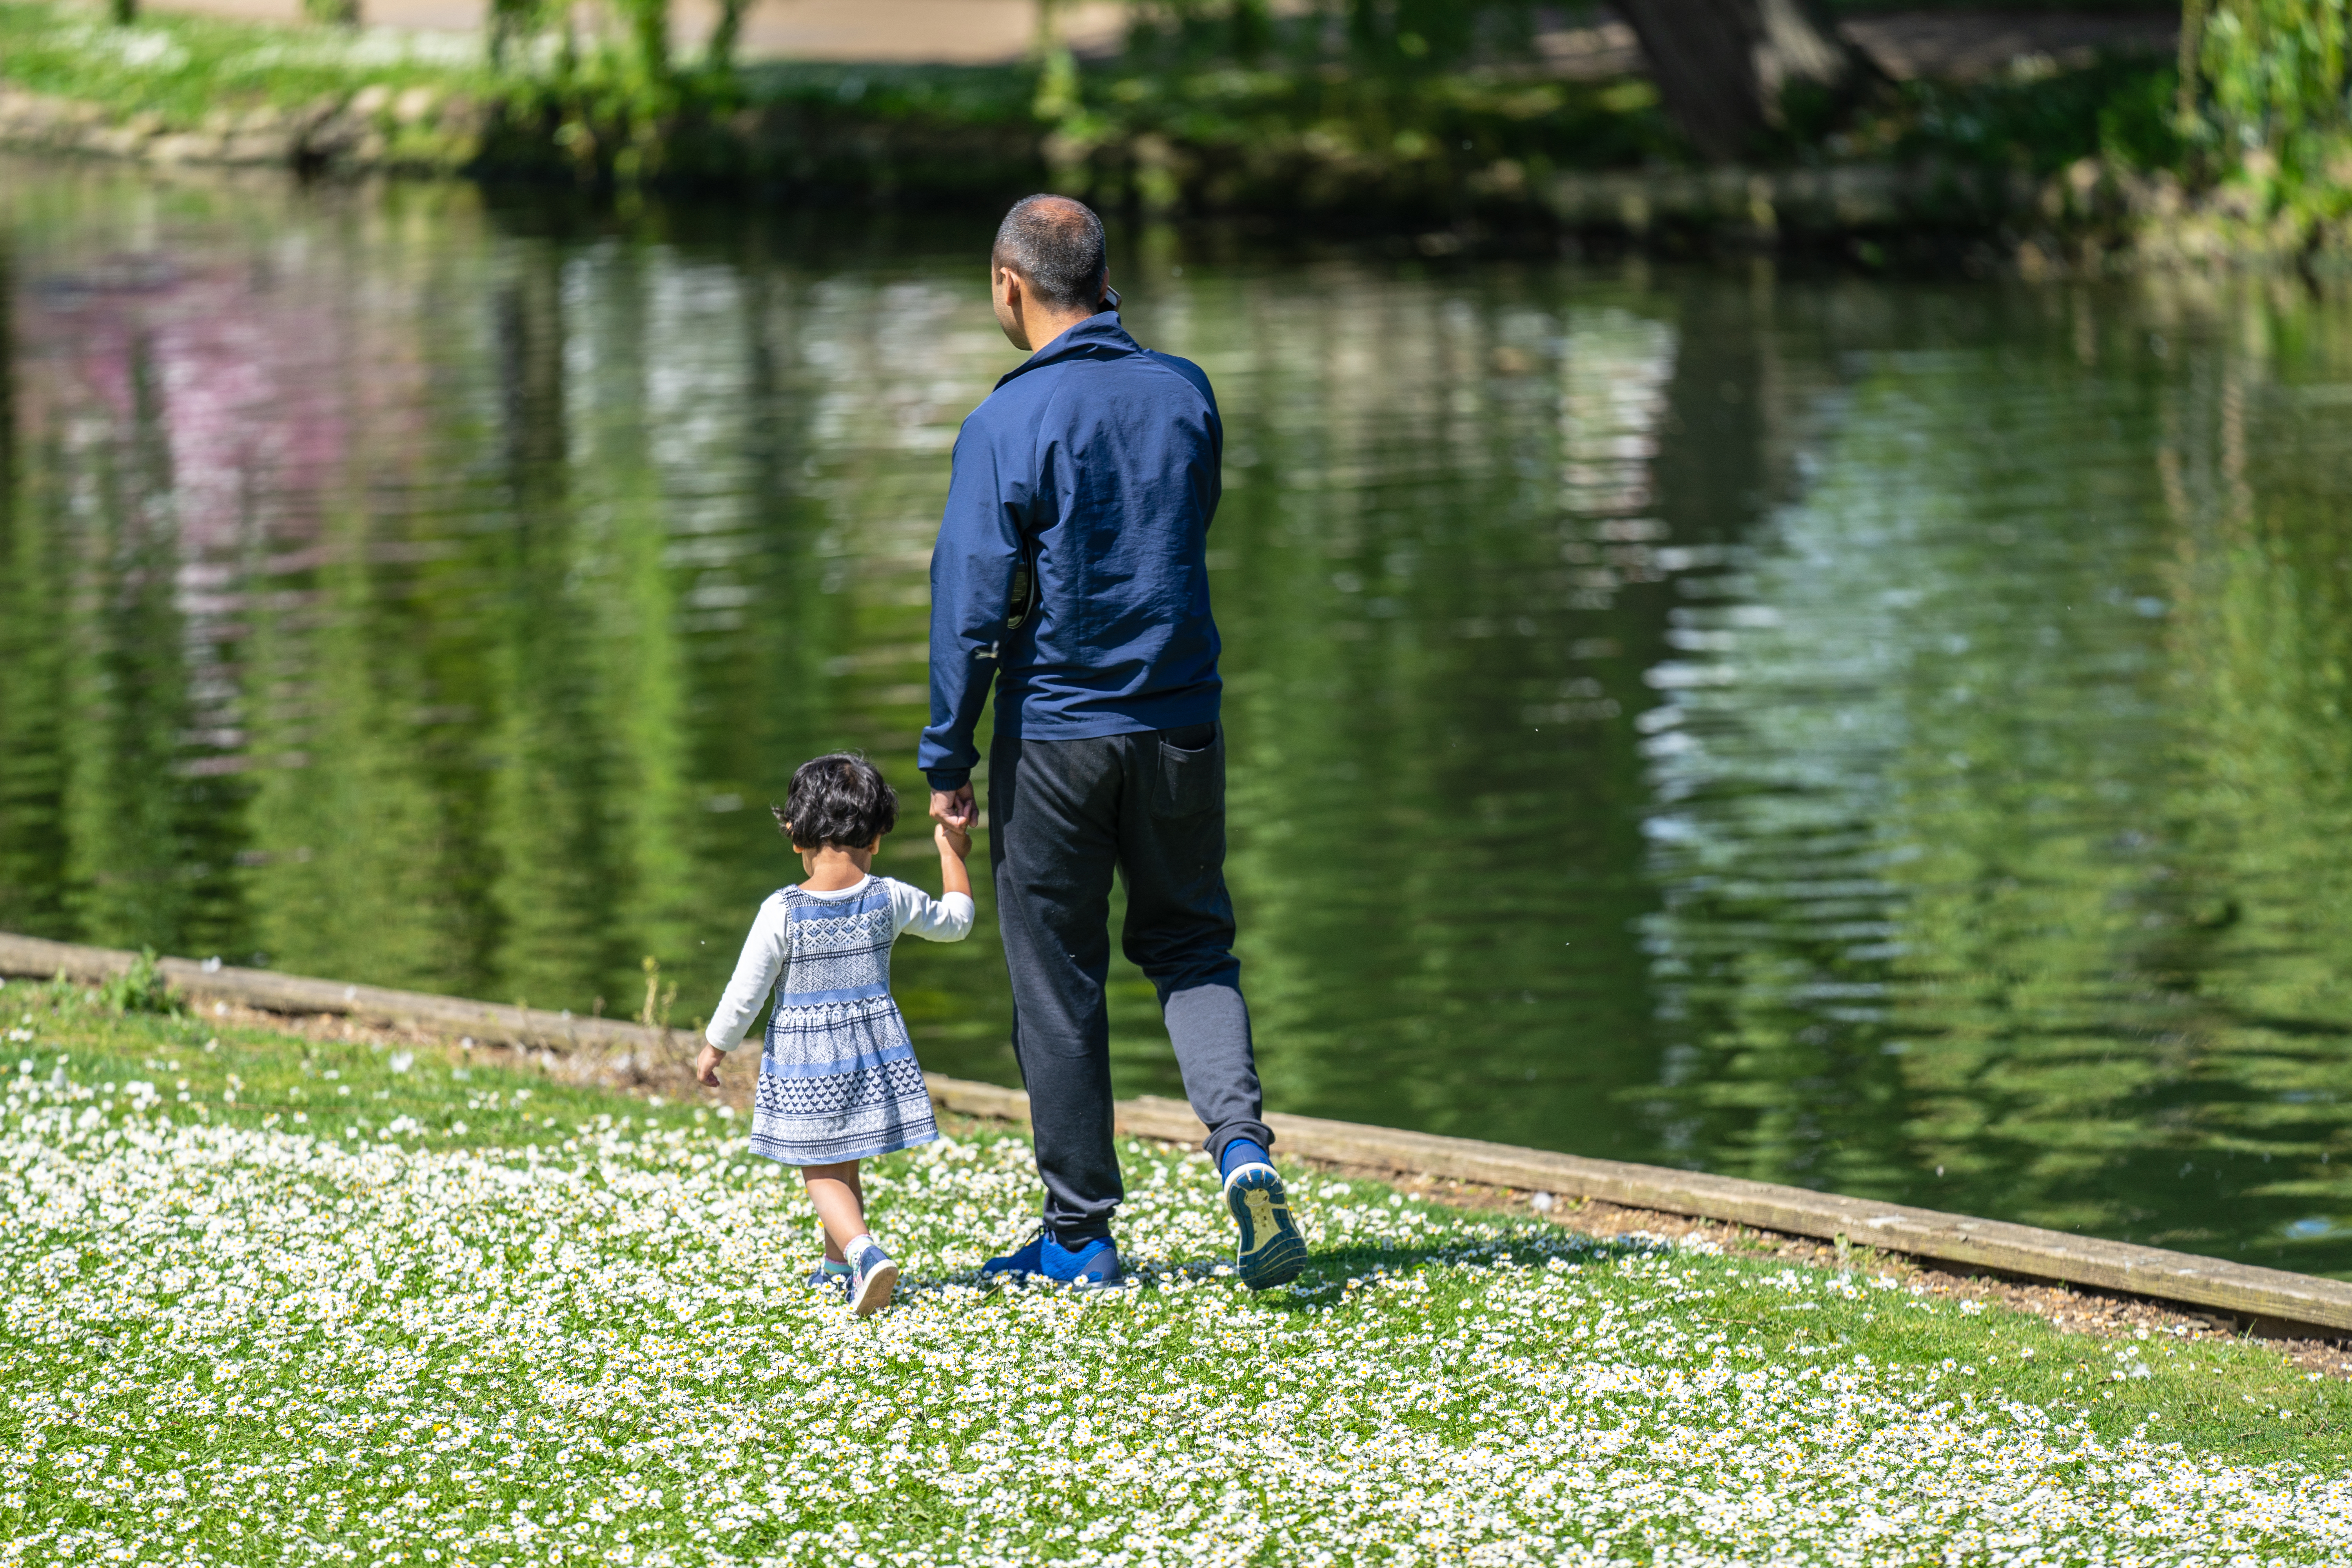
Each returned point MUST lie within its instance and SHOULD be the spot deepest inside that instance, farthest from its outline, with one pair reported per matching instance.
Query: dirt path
(1964, 44)
(930, 32)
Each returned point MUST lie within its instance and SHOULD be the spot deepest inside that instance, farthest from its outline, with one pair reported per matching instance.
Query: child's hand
(706, 1066)
(955, 843)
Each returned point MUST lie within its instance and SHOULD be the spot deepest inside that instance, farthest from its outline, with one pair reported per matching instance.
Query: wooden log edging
(616, 1041)
(2273, 1301)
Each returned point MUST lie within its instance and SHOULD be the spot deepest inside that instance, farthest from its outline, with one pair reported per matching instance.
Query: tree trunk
(718, 55)
(649, 30)
(1721, 65)
(2192, 62)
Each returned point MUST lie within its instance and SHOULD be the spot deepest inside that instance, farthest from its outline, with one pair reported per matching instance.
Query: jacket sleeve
(972, 583)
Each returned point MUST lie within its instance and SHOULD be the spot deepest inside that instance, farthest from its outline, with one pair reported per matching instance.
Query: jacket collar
(1099, 336)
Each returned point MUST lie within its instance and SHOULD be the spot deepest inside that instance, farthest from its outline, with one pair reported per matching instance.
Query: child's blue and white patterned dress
(839, 1079)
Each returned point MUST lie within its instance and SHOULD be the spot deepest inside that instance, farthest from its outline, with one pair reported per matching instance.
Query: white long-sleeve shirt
(764, 954)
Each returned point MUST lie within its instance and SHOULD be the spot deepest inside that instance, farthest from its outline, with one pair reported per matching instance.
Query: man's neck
(1053, 327)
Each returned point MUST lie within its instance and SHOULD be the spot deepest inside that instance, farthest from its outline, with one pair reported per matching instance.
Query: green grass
(183, 68)
(467, 1313)
(2242, 1402)
(186, 71)
(228, 1076)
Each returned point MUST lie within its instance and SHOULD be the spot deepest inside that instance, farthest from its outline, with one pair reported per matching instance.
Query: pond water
(1893, 737)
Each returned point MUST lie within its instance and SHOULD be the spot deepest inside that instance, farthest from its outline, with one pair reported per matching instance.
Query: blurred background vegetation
(1418, 114)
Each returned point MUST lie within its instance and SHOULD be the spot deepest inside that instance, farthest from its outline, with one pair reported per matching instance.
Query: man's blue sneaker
(830, 1278)
(1026, 1259)
(1271, 1251)
(1092, 1266)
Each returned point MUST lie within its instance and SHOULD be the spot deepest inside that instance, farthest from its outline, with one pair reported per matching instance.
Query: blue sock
(1242, 1151)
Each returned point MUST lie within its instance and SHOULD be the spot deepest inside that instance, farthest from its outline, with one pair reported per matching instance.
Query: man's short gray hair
(1056, 246)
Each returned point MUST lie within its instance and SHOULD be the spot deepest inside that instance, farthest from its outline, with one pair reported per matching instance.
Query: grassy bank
(276, 1299)
(183, 88)
(183, 70)
(1180, 123)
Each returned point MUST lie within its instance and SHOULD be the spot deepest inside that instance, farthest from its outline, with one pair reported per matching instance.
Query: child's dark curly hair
(838, 802)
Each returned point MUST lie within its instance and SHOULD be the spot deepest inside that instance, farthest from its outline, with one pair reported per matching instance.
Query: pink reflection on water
(208, 410)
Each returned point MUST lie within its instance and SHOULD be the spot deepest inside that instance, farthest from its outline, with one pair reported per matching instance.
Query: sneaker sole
(1271, 1251)
(874, 1290)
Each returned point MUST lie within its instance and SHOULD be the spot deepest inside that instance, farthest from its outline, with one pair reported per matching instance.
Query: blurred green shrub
(2275, 105)
(599, 80)
(2039, 121)
(2276, 68)
(140, 988)
(2138, 128)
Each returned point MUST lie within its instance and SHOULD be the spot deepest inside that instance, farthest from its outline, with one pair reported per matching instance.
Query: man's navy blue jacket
(1099, 459)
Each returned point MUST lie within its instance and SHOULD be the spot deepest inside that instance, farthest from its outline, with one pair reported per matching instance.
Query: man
(1071, 571)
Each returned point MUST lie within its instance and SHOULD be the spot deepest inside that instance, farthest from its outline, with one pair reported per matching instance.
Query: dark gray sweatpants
(1062, 815)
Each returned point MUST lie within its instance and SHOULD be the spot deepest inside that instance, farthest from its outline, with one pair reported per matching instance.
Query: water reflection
(1885, 737)
(1971, 896)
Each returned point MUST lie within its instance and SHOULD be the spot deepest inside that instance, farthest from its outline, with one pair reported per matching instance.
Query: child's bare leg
(840, 1203)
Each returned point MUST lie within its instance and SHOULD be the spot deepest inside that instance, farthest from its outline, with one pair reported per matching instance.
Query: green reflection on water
(1960, 821)
(1877, 736)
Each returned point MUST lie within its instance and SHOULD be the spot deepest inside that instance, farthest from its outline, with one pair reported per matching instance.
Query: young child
(838, 1079)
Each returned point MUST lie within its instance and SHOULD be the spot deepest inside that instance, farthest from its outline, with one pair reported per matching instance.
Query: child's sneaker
(1271, 1251)
(831, 1276)
(872, 1279)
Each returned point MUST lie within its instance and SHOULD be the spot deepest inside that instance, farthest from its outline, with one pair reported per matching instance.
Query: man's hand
(706, 1066)
(955, 806)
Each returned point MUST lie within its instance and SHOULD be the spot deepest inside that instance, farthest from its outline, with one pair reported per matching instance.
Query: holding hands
(956, 806)
(956, 813)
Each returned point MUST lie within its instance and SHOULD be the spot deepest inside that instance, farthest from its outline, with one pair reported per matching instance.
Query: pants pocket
(1192, 773)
